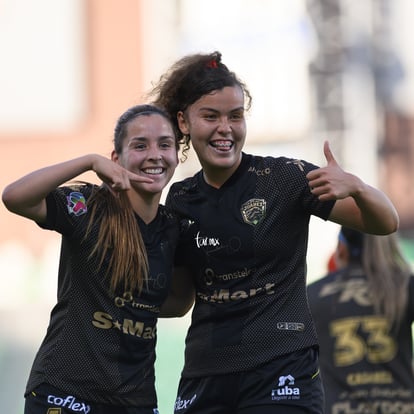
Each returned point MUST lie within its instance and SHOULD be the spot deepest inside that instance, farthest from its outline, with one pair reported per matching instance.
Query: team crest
(76, 203)
(253, 211)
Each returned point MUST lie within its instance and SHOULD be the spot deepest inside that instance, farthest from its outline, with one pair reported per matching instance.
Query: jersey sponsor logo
(290, 326)
(225, 295)
(76, 203)
(356, 290)
(103, 320)
(205, 241)
(363, 378)
(253, 211)
(212, 245)
(373, 407)
(69, 402)
(299, 163)
(286, 389)
(210, 277)
(265, 171)
(128, 299)
(181, 404)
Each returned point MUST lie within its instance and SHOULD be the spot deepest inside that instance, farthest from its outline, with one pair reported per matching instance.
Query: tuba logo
(253, 211)
(286, 389)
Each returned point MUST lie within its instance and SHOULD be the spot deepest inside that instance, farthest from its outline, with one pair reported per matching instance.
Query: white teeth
(221, 144)
(153, 170)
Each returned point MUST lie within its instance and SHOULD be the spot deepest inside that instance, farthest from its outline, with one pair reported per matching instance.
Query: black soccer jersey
(365, 366)
(247, 249)
(101, 346)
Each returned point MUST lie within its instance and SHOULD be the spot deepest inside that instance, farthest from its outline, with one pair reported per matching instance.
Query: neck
(215, 180)
(216, 176)
(145, 206)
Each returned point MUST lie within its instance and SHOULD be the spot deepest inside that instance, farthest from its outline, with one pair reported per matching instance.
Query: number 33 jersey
(366, 365)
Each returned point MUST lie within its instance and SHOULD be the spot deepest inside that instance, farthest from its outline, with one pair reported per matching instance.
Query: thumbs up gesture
(331, 182)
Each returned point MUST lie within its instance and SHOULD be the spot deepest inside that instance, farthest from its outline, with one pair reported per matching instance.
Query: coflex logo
(69, 402)
(183, 404)
(285, 389)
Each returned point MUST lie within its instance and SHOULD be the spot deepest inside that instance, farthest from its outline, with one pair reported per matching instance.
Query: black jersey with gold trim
(101, 346)
(247, 247)
(366, 365)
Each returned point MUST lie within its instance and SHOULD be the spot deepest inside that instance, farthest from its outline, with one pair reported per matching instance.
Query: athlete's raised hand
(331, 182)
(26, 196)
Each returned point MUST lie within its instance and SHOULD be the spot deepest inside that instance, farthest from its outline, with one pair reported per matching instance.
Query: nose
(154, 154)
(224, 125)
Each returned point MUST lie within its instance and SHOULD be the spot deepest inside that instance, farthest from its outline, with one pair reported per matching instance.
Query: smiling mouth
(222, 145)
(153, 171)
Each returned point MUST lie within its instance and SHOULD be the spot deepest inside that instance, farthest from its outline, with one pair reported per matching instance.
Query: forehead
(228, 98)
(149, 124)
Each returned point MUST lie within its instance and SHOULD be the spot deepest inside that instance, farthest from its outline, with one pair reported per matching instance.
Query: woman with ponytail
(115, 269)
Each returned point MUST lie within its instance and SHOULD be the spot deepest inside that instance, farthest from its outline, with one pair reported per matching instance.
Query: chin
(153, 188)
(227, 162)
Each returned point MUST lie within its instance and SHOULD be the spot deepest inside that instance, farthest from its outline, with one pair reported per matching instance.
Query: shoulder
(166, 222)
(283, 175)
(188, 185)
(185, 194)
(67, 207)
(269, 165)
(84, 189)
(70, 195)
(174, 218)
(167, 213)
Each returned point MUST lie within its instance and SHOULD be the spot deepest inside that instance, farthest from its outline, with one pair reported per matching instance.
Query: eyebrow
(143, 138)
(206, 108)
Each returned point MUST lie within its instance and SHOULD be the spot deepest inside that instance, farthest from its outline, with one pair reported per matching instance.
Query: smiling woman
(146, 145)
(115, 267)
(218, 132)
(246, 249)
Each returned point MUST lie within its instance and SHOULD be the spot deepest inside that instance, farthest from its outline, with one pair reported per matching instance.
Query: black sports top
(247, 249)
(99, 346)
(366, 367)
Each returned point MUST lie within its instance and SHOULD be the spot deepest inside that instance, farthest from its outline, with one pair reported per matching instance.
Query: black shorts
(48, 400)
(290, 384)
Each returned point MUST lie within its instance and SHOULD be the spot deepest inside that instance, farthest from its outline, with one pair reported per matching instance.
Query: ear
(114, 157)
(182, 123)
